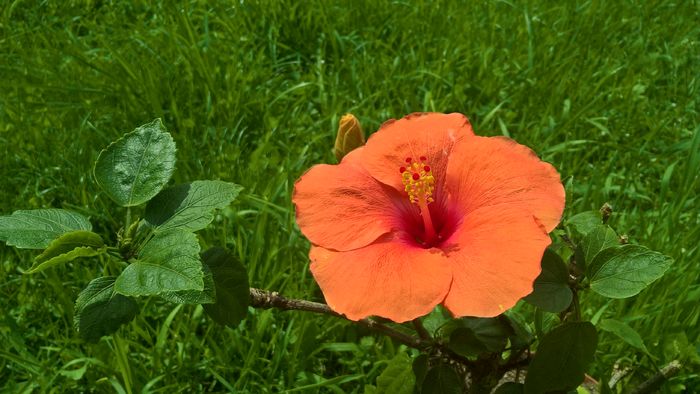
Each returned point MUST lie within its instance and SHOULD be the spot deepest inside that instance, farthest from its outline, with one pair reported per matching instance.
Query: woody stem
(272, 299)
(427, 220)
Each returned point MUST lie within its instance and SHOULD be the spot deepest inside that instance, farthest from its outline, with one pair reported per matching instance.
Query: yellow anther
(418, 181)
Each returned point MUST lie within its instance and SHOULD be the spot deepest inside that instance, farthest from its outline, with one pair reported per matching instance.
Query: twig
(420, 329)
(618, 374)
(518, 361)
(272, 299)
(655, 381)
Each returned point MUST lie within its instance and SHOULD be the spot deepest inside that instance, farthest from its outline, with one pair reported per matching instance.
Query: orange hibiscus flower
(427, 213)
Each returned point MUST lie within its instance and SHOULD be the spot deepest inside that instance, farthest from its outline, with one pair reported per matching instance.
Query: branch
(271, 299)
(655, 381)
(421, 330)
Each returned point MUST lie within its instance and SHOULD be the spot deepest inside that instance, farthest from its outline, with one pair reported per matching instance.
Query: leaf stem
(127, 222)
(577, 306)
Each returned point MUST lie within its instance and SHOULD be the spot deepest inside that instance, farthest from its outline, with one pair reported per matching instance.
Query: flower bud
(349, 136)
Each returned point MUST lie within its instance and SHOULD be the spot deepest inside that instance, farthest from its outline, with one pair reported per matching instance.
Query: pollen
(418, 180)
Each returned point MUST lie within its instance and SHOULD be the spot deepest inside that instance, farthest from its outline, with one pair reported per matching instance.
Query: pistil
(419, 184)
(427, 222)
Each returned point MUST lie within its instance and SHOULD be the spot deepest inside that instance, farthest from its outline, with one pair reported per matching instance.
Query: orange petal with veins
(495, 259)
(497, 172)
(390, 278)
(341, 207)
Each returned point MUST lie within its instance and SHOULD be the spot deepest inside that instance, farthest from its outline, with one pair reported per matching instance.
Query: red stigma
(415, 176)
(426, 168)
(423, 158)
(408, 160)
(402, 169)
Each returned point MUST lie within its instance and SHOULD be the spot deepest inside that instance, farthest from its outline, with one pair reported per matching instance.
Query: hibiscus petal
(497, 171)
(495, 257)
(390, 278)
(422, 134)
(341, 207)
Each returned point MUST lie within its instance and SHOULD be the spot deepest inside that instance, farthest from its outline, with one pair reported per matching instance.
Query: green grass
(252, 92)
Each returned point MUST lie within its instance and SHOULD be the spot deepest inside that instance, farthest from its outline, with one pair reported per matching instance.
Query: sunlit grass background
(606, 91)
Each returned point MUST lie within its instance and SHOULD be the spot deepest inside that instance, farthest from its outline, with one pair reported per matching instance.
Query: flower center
(419, 184)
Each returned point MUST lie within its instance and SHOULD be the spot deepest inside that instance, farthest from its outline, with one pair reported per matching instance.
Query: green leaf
(64, 258)
(471, 336)
(397, 377)
(420, 369)
(442, 379)
(168, 262)
(74, 374)
(624, 332)
(69, 241)
(464, 341)
(510, 388)
(190, 206)
(562, 358)
(598, 239)
(35, 229)
(369, 389)
(583, 223)
(135, 168)
(436, 319)
(545, 322)
(676, 346)
(206, 296)
(232, 289)
(623, 271)
(66, 248)
(522, 334)
(551, 290)
(100, 311)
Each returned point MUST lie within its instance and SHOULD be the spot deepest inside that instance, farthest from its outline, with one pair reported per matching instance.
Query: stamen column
(419, 184)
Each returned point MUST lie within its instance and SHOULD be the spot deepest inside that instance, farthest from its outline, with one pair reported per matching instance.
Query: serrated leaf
(623, 271)
(471, 336)
(442, 379)
(66, 248)
(551, 290)
(206, 296)
(624, 332)
(35, 229)
(562, 358)
(599, 238)
(135, 168)
(168, 262)
(76, 253)
(100, 311)
(583, 223)
(69, 241)
(397, 377)
(190, 206)
(232, 289)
